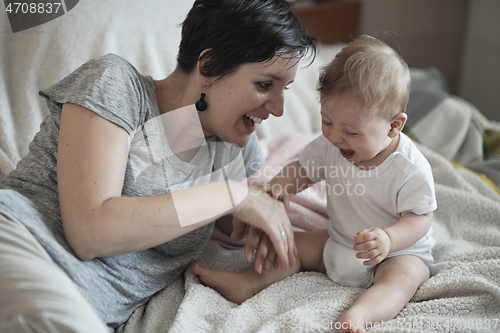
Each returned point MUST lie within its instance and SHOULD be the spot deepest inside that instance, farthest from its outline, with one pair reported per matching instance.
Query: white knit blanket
(462, 295)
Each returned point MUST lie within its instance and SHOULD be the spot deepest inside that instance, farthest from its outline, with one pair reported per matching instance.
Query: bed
(463, 293)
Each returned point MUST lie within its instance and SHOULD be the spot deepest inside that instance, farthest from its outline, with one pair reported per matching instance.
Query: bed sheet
(463, 294)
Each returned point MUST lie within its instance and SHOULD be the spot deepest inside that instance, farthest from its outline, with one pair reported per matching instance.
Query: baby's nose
(336, 138)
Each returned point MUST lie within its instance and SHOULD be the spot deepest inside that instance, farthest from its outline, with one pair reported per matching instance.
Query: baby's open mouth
(347, 153)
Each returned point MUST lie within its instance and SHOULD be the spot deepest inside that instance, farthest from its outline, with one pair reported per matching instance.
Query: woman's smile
(249, 123)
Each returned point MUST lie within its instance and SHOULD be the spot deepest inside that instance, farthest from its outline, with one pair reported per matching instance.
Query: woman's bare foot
(234, 286)
(351, 322)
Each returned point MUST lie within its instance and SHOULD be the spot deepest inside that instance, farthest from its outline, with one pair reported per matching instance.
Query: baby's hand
(277, 192)
(373, 244)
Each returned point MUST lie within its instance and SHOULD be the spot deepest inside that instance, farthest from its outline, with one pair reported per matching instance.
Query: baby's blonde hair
(368, 69)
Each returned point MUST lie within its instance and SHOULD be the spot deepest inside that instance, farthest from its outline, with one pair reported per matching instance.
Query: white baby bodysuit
(359, 199)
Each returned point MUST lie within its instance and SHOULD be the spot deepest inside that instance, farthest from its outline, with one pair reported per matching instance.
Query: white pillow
(146, 33)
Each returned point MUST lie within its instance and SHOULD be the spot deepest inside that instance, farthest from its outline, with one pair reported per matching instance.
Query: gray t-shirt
(111, 87)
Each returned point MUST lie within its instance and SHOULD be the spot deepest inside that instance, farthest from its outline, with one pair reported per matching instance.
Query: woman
(94, 221)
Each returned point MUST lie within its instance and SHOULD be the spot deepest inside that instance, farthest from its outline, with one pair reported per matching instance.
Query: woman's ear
(397, 124)
(204, 80)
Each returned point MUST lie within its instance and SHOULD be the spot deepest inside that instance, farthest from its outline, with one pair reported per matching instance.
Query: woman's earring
(201, 105)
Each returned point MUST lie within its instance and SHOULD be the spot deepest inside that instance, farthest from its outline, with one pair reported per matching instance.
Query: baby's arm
(376, 243)
(289, 181)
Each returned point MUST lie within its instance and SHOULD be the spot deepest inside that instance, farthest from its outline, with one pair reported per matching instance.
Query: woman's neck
(175, 91)
(178, 115)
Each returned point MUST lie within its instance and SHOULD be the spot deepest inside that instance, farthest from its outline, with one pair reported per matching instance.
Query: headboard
(330, 22)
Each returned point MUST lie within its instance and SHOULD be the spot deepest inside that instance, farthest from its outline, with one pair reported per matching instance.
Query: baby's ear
(397, 124)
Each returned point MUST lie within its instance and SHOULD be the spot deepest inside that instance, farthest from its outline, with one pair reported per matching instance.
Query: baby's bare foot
(233, 286)
(351, 322)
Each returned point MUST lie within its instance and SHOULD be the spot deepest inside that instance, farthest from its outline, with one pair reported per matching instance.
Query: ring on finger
(283, 233)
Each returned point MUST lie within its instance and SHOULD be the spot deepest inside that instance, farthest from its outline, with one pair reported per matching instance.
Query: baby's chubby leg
(238, 287)
(395, 282)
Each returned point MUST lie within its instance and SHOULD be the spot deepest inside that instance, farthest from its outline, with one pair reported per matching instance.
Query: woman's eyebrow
(274, 76)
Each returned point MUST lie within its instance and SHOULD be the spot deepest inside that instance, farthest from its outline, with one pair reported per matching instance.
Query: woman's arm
(98, 221)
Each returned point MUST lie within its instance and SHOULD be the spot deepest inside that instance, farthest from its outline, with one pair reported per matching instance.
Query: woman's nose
(275, 105)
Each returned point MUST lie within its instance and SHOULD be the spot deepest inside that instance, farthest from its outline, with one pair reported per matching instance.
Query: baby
(380, 192)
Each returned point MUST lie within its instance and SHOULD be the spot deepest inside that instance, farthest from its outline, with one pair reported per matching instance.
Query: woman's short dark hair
(236, 32)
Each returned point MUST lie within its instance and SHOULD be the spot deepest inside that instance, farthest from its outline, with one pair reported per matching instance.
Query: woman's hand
(268, 216)
(258, 242)
(280, 188)
(265, 256)
(373, 244)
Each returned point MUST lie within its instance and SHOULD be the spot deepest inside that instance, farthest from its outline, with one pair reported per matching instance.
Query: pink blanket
(307, 209)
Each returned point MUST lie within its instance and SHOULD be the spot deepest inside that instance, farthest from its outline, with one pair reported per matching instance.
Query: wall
(459, 37)
(480, 83)
(425, 32)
